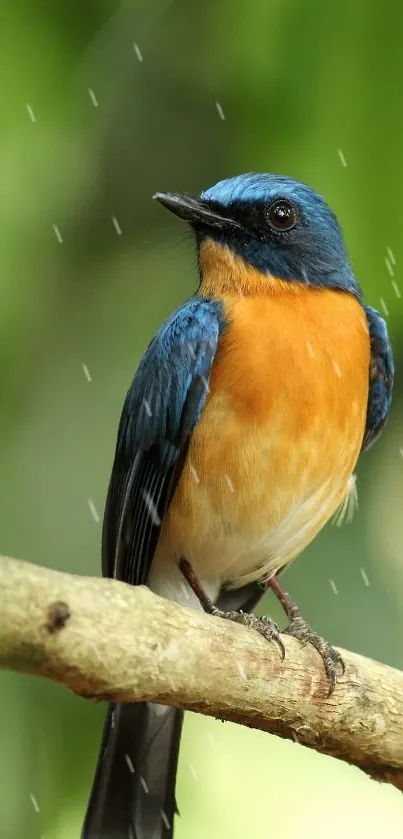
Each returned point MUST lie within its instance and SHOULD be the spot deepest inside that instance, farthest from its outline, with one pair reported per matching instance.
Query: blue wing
(380, 377)
(162, 407)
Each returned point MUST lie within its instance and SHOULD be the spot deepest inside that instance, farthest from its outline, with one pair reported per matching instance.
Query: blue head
(275, 224)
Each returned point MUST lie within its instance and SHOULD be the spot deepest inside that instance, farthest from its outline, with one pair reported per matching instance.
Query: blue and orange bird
(237, 443)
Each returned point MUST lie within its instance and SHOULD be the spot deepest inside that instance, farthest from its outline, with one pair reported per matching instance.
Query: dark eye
(281, 215)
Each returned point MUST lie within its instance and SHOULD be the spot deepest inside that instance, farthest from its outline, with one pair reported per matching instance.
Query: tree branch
(107, 640)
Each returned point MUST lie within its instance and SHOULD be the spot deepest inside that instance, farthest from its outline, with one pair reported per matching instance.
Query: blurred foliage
(302, 86)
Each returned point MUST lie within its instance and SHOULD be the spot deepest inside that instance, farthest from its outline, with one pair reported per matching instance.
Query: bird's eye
(281, 215)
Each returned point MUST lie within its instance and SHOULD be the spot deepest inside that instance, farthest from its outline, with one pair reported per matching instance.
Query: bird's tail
(133, 794)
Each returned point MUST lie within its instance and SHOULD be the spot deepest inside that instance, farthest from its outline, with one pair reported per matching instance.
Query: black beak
(195, 211)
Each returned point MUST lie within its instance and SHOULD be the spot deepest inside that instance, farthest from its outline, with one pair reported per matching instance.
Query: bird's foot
(300, 629)
(265, 626)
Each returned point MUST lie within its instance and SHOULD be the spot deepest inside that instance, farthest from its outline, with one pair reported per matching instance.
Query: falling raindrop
(241, 671)
(334, 587)
(384, 306)
(211, 740)
(194, 474)
(220, 110)
(93, 97)
(137, 51)
(229, 483)
(129, 763)
(193, 771)
(144, 784)
(342, 159)
(152, 510)
(117, 226)
(86, 372)
(165, 820)
(93, 510)
(30, 113)
(57, 234)
(336, 368)
(391, 255)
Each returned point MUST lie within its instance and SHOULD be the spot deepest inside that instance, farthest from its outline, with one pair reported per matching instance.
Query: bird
(237, 443)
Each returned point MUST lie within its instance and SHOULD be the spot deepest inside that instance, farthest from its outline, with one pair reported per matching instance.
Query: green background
(297, 81)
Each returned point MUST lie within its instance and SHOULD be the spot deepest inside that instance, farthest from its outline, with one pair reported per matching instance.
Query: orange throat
(225, 273)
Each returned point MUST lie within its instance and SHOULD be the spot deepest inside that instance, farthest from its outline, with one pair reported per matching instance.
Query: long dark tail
(133, 794)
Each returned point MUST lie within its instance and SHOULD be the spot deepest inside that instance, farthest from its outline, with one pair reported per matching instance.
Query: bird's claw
(332, 660)
(264, 625)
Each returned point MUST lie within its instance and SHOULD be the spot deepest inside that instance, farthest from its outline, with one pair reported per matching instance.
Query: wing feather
(162, 408)
(381, 375)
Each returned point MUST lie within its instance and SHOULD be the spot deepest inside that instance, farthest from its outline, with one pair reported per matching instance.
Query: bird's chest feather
(270, 459)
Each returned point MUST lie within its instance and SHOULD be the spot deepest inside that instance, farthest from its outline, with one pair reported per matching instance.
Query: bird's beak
(195, 211)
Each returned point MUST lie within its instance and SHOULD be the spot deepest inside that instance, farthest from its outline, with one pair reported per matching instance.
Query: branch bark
(106, 640)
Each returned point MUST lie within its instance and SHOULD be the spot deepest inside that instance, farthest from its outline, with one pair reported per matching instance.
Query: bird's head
(266, 227)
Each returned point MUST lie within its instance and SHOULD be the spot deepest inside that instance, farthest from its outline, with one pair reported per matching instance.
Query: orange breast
(279, 437)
